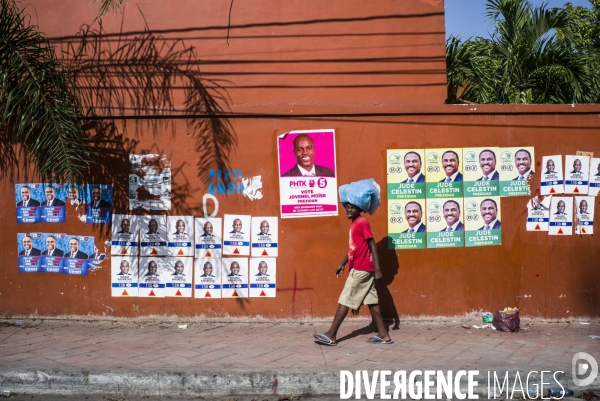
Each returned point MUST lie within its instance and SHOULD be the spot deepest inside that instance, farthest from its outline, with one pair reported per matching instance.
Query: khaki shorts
(359, 289)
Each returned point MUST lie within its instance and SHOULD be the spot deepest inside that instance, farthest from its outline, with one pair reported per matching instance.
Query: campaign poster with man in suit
(124, 276)
(481, 178)
(178, 281)
(584, 212)
(307, 173)
(99, 203)
(552, 178)
(407, 226)
(561, 216)
(445, 223)
(406, 174)
(234, 276)
(483, 221)
(577, 174)
(153, 235)
(594, 188)
(265, 234)
(263, 273)
(209, 237)
(29, 248)
(236, 234)
(180, 236)
(516, 166)
(125, 235)
(55, 246)
(444, 169)
(53, 206)
(77, 257)
(153, 272)
(28, 198)
(207, 278)
(538, 214)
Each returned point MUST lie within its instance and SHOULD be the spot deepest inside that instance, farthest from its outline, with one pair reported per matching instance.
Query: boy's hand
(378, 275)
(339, 271)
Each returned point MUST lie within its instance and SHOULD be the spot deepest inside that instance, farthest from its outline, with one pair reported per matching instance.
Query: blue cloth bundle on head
(364, 194)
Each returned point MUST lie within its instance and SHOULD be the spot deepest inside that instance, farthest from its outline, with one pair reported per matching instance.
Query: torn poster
(150, 182)
(594, 187)
(538, 214)
(584, 208)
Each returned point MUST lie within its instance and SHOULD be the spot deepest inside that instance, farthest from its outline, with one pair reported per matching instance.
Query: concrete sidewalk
(211, 358)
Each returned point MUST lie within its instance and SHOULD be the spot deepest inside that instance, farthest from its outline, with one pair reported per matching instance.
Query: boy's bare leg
(340, 315)
(378, 319)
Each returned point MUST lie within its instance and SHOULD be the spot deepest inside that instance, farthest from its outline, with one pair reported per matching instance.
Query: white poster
(538, 214)
(262, 277)
(209, 238)
(180, 235)
(153, 272)
(584, 208)
(594, 187)
(153, 235)
(552, 182)
(236, 235)
(124, 274)
(150, 182)
(179, 278)
(561, 216)
(234, 277)
(207, 278)
(577, 174)
(265, 231)
(125, 235)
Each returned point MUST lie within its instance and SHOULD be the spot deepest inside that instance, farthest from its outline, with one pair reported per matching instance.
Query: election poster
(405, 174)
(153, 235)
(584, 208)
(262, 277)
(483, 226)
(561, 216)
(234, 278)
(538, 214)
(178, 282)
(150, 182)
(209, 238)
(516, 166)
(81, 250)
(207, 280)
(480, 175)
(577, 174)
(29, 248)
(236, 235)
(28, 198)
(52, 209)
(444, 173)
(52, 256)
(406, 224)
(180, 235)
(594, 187)
(552, 182)
(445, 224)
(76, 196)
(125, 235)
(99, 203)
(152, 276)
(124, 276)
(265, 234)
(307, 173)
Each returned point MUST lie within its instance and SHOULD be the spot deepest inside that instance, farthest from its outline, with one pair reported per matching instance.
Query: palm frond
(110, 5)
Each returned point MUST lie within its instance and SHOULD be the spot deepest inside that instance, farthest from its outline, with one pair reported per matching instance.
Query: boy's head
(352, 211)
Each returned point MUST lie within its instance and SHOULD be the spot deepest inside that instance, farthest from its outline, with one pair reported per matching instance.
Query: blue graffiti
(216, 186)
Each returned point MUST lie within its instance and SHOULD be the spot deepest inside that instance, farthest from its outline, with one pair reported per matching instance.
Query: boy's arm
(339, 271)
(373, 249)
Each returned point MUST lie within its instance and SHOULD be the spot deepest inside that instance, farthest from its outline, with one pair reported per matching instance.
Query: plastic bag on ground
(507, 320)
(364, 194)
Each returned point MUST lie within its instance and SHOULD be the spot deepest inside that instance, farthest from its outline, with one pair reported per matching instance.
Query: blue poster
(28, 198)
(29, 247)
(99, 200)
(81, 250)
(53, 204)
(55, 245)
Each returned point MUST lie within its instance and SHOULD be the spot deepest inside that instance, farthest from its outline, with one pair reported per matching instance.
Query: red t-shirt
(359, 253)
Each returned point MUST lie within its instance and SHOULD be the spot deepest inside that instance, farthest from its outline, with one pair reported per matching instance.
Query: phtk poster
(29, 250)
(538, 214)
(124, 276)
(125, 235)
(307, 173)
(180, 236)
(99, 203)
(236, 234)
(480, 175)
(406, 224)
(577, 173)
(150, 182)
(28, 198)
(516, 167)
(234, 278)
(561, 216)
(405, 174)
(52, 256)
(262, 275)
(209, 238)
(552, 182)
(265, 233)
(444, 173)
(153, 235)
(178, 282)
(483, 226)
(594, 187)
(207, 280)
(152, 276)
(584, 208)
(445, 224)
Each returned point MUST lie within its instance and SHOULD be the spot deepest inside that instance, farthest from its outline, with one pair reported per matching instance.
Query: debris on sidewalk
(584, 322)
(482, 327)
(487, 317)
(182, 326)
(507, 320)
(594, 337)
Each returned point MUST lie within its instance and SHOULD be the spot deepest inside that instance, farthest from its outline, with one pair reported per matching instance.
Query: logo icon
(433, 158)
(470, 157)
(580, 368)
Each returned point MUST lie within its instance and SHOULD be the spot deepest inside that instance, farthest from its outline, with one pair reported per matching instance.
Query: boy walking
(363, 266)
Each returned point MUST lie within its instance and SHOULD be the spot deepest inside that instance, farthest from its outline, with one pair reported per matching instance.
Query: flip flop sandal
(323, 339)
(378, 340)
